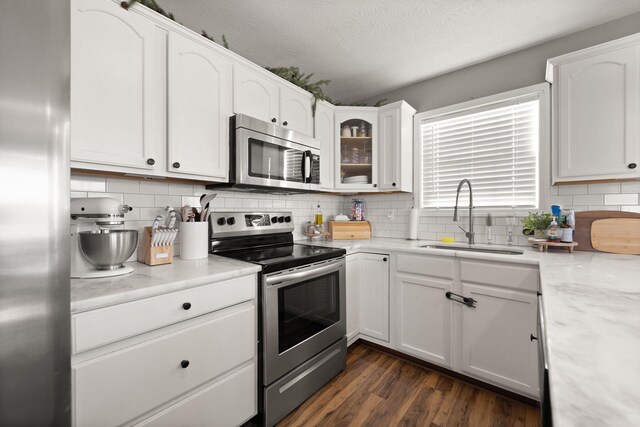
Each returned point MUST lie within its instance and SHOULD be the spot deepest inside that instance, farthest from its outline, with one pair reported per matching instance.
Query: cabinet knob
(285, 123)
(532, 337)
(384, 259)
(151, 162)
(273, 120)
(632, 165)
(186, 305)
(375, 185)
(184, 364)
(176, 165)
(394, 184)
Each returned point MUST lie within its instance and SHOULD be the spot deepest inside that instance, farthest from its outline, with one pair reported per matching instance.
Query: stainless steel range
(301, 339)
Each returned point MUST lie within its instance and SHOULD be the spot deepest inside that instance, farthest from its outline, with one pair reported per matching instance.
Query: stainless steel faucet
(470, 234)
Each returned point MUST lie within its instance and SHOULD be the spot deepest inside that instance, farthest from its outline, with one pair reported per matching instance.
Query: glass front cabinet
(356, 151)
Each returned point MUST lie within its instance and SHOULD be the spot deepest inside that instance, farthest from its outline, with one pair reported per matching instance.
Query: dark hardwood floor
(378, 389)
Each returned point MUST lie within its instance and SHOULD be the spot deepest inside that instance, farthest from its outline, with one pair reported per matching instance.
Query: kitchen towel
(414, 218)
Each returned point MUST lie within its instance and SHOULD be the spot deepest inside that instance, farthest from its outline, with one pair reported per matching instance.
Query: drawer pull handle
(184, 364)
(532, 337)
(384, 259)
(468, 301)
(186, 305)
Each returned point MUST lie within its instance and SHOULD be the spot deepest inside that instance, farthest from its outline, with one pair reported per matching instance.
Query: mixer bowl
(108, 249)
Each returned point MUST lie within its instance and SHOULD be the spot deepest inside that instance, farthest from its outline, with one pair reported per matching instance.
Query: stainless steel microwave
(270, 157)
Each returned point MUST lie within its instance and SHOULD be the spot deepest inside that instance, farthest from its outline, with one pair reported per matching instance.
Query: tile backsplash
(150, 198)
(388, 213)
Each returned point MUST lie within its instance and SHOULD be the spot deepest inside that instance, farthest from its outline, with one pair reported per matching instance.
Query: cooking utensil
(616, 235)
(205, 199)
(584, 220)
(108, 249)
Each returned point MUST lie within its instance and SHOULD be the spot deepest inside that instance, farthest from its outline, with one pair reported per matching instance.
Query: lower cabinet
(374, 296)
(195, 372)
(353, 296)
(425, 318)
(495, 337)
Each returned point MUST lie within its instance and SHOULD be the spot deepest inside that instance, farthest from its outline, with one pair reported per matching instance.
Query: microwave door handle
(306, 169)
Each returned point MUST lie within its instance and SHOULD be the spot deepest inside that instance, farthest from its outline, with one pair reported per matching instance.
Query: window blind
(495, 147)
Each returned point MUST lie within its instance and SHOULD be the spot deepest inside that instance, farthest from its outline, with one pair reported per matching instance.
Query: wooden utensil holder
(153, 255)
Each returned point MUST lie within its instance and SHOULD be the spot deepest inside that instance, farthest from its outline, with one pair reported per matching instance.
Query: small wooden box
(153, 255)
(349, 230)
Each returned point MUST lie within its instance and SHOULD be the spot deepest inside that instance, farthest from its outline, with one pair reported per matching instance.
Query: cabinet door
(598, 116)
(389, 147)
(495, 337)
(353, 295)
(374, 296)
(424, 318)
(112, 89)
(199, 109)
(295, 111)
(255, 95)
(356, 156)
(324, 133)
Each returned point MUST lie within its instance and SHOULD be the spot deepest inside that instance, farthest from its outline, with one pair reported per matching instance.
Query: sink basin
(469, 248)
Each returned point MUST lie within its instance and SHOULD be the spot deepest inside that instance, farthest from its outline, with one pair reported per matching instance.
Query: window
(495, 142)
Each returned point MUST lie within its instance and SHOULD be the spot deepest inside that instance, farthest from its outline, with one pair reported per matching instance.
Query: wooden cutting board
(584, 220)
(616, 235)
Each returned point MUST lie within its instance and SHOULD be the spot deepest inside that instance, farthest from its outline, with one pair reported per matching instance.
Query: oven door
(269, 161)
(303, 313)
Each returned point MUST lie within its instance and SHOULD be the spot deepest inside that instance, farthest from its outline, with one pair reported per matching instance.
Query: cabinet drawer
(106, 325)
(426, 265)
(515, 276)
(228, 402)
(121, 386)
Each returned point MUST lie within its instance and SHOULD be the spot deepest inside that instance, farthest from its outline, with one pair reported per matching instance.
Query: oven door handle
(284, 279)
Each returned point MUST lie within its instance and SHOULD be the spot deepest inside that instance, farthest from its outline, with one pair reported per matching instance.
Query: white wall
(149, 199)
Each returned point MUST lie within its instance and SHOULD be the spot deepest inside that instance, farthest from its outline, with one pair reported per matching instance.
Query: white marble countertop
(147, 281)
(592, 312)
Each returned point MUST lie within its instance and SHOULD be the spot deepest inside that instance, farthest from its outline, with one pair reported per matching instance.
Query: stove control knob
(231, 220)
(222, 221)
(280, 219)
(287, 219)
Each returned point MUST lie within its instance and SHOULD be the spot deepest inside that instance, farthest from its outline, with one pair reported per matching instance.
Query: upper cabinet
(395, 139)
(323, 132)
(257, 94)
(596, 105)
(356, 130)
(113, 87)
(200, 104)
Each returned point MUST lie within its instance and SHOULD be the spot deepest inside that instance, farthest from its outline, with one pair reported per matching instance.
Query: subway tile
(621, 199)
(603, 208)
(199, 190)
(572, 189)
(630, 187)
(561, 200)
(635, 208)
(590, 199)
(171, 201)
(139, 200)
(607, 187)
(153, 187)
(76, 194)
(194, 201)
(115, 185)
(112, 195)
(87, 183)
(179, 189)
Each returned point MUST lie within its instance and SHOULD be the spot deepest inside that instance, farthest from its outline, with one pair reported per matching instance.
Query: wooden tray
(349, 230)
(544, 246)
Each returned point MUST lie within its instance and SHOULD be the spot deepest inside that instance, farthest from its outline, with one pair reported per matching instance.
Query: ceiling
(368, 47)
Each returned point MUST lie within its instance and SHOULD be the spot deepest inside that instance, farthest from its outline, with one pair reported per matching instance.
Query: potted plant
(536, 224)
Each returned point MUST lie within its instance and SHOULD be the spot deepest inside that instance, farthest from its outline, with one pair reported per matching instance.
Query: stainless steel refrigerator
(35, 368)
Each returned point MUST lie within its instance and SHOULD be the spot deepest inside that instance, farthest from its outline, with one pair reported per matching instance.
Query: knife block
(153, 255)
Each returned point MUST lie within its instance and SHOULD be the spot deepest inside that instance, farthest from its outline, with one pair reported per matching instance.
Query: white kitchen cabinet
(495, 337)
(356, 149)
(395, 123)
(258, 94)
(354, 270)
(200, 104)
(323, 132)
(596, 112)
(169, 363)
(113, 87)
(374, 296)
(425, 320)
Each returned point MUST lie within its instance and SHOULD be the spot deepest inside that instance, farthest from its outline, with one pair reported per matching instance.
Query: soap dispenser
(553, 232)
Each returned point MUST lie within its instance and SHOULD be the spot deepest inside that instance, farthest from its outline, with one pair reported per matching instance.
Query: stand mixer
(99, 243)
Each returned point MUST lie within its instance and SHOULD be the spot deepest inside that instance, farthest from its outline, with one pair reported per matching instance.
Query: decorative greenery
(536, 222)
(153, 5)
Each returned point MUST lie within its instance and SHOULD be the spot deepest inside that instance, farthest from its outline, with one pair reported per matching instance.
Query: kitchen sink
(471, 248)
